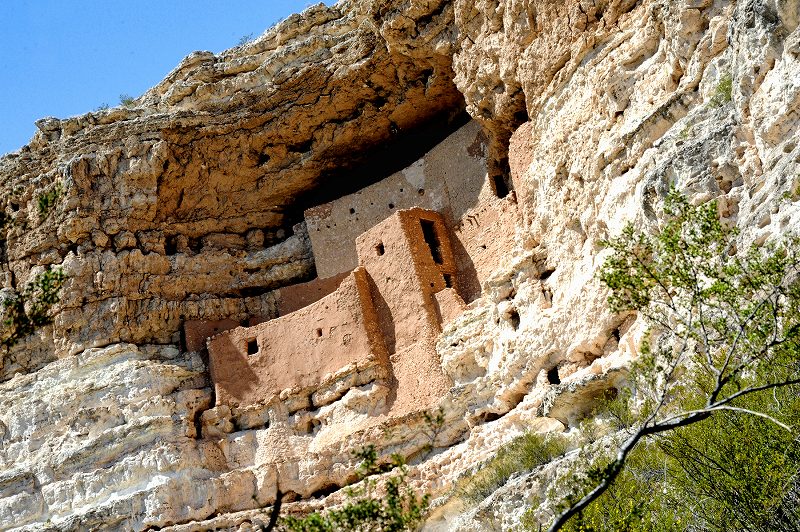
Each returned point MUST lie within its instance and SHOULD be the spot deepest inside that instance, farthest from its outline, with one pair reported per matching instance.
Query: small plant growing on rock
(126, 100)
(245, 39)
(724, 91)
(26, 311)
(392, 507)
(45, 201)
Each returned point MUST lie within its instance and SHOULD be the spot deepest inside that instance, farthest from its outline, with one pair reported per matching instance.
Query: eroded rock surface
(188, 206)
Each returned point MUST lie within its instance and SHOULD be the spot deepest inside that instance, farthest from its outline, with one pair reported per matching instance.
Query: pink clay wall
(298, 350)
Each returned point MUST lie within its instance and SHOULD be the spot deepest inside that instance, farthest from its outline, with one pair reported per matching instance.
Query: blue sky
(67, 57)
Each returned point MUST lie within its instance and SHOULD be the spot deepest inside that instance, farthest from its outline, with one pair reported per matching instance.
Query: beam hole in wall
(171, 245)
(432, 239)
(391, 205)
(488, 417)
(324, 491)
(195, 245)
(552, 376)
(352, 210)
(421, 192)
(548, 295)
(379, 249)
(319, 333)
(252, 347)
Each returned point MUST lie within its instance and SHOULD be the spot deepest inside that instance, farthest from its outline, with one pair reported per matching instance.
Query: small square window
(379, 249)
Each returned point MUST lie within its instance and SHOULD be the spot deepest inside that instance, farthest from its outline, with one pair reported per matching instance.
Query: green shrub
(126, 100)
(723, 93)
(715, 383)
(30, 309)
(45, 201)
(730, 472)
(393, 509)
(522, 454)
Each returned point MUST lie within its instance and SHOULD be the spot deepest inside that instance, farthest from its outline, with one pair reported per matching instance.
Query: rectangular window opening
(379, 249)
(448, 280)
(432, 239)
(501, 189)
(252, 347)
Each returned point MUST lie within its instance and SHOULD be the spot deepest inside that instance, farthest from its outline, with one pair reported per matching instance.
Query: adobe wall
(195, 332)
(448, 179)
(481, 238)
(299, 350)
(407, 270)
(404, 275)
(297, 296)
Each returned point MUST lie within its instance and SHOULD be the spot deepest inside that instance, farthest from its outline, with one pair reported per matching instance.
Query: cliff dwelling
(381, 225)
(394, 261)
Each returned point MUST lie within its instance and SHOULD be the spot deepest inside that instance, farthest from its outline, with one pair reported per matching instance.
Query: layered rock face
(189, 205)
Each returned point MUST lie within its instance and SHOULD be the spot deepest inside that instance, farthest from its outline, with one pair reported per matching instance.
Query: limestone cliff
(195, 204)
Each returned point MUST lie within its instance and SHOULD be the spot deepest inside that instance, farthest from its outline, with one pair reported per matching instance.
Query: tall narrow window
(252, 346)
(500, 186)
(432, 239)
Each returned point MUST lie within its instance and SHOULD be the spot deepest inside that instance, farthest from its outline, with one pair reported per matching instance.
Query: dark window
(448, 280)
(488, 417)
(252, 347)
(432, 239)
(171, 245)
(319, 333)
(552, 376)
(500, 186)
(379, 249)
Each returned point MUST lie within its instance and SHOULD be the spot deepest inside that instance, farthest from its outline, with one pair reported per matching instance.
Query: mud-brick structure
(396, 260)
(451, 179)
(379, 324)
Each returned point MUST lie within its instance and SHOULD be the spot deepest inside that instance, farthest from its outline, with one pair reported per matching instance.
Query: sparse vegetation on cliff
(391, 506)
(45, 201)
(126, 100)
(521, 454)
(26, 311)
(723, 93)
(723, 342)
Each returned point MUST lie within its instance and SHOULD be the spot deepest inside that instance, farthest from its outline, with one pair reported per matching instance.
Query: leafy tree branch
(723, 327)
